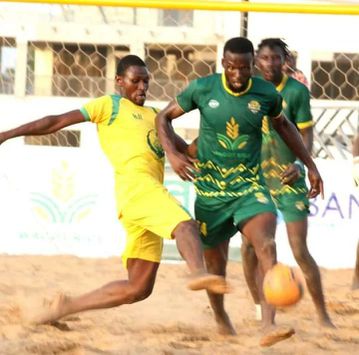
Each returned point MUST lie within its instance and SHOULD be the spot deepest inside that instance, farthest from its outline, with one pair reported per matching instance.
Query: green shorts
(219, 222)
(294, 207)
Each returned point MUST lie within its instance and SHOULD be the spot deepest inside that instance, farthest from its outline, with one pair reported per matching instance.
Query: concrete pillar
(43, 69)
(138, 48)
(21, 66)
(219, 57)
(304, 61)
(110, 70)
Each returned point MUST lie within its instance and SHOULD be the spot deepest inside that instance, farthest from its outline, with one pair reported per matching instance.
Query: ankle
(199, 272)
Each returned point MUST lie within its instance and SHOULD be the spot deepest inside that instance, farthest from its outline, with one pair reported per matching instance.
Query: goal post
(224, 5)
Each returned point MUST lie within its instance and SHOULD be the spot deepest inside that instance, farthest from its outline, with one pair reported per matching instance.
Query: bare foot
(51, 311)
(274, 334)
(224, 325)
(327, 323)
(209, 282)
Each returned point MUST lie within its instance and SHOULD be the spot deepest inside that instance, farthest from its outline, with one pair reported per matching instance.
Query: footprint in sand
(343, 308)
(11, 314)
(193, 338)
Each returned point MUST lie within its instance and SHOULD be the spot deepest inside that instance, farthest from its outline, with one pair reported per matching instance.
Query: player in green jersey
(231, 193)
(284, 175)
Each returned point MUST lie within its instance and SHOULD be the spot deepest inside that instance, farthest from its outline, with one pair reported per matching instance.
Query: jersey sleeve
(98, 110)
(276, 108)
(303, 115)
(187, 98)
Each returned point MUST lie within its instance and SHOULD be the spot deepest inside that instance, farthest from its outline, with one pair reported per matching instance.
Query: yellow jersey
(129, 139)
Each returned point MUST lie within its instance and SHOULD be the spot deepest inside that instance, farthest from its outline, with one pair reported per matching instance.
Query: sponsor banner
(54, 201)
(334, 220)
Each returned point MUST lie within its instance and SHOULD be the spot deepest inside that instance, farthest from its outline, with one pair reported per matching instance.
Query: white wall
(58, 200)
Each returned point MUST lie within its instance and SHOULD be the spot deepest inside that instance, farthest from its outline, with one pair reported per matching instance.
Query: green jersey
(276, 156)
(230, 135)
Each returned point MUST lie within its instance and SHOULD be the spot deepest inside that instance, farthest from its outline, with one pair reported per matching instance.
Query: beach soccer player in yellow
(126, 129)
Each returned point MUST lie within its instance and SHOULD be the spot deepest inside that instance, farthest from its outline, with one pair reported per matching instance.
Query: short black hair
(128, 61)
(275, 42)
(238, 45)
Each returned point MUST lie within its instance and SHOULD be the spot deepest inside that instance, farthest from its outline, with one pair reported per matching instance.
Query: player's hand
(356, 170)
(182, 165)
(291, 174)
(316, 183)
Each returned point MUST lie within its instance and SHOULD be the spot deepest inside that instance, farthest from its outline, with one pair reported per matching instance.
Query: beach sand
(172, 321)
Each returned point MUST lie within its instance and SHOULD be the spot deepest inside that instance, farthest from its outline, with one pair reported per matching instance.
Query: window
(177, 18)
(173, 66)
(7, 65)
(336, 77)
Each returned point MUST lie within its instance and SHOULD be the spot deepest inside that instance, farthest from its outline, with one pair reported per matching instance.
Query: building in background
(53, 58)
(55, 51)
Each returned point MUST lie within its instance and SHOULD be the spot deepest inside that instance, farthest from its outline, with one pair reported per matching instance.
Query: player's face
(134, 84)
(237, 69)
(270, 63)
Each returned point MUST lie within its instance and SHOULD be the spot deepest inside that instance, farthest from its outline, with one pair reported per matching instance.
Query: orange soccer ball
(282, 286)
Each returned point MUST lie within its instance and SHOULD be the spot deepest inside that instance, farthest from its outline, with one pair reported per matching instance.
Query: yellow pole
(225, 5)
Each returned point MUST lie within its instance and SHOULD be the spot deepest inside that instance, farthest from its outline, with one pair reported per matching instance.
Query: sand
(172, 321)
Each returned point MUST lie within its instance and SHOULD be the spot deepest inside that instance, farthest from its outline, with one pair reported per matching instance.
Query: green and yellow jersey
(276, 156)
(129, 139)
(230, 134)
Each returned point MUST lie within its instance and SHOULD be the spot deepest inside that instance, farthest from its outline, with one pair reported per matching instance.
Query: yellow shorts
(149, 217)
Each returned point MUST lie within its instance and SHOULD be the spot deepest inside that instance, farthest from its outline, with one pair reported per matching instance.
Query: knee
(269, 247)
(301, 254)
(137, 293)
(216, 262)
(247, 250)
(190, 227)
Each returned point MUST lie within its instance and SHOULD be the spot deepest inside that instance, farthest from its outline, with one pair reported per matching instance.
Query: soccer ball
(282, 286)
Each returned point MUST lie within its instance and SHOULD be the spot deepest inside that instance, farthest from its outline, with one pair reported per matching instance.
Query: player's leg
(189, 246)
(216, 226)
(216, 261)
(141, 279)
(355, 284)
(250, 271)
(250, 265)
(171, 221)
(260, 231)
(297, 235)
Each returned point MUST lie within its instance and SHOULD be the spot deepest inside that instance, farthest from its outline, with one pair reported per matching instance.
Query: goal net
(55, 57)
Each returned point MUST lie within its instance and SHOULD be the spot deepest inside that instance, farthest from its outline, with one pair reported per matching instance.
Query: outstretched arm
(180, 162)
(292, 138)
(45, 125)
